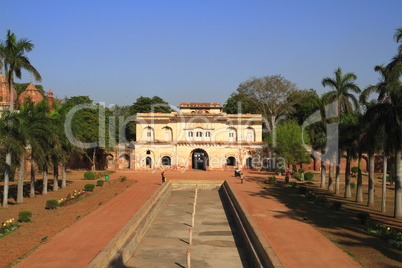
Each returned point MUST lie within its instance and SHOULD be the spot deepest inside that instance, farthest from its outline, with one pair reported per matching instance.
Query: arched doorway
(200, 159)
(249, 163)
(231, 161)
(166, 161)
(148, 161)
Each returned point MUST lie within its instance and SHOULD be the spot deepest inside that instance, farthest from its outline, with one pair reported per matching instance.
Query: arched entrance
(249, 163)
(148, 161)
(231, 161)
(200, 159)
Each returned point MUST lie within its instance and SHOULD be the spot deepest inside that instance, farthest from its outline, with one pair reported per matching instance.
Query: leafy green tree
(238, 103)
(302, 110)
(14, 60)
(148, 105)
(273, 96)
(290, 143)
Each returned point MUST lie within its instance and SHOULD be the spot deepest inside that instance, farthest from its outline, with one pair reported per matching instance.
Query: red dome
(32, 93)
(5, 92)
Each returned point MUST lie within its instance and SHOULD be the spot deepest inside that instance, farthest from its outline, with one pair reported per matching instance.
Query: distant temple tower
(30, 93)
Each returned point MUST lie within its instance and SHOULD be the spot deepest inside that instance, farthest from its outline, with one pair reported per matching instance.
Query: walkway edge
(264, 251)
(123, 244)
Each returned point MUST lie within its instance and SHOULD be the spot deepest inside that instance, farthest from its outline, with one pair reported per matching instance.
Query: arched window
(190, 135)
(149, 133)
(166, 161)
(232, 134)
(208, 136)
(168, 133)
(250, 134)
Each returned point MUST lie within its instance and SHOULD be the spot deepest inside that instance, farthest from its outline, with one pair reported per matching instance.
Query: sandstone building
(198, 136)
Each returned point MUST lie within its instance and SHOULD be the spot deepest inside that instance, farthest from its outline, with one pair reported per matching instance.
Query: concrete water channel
(215, 240)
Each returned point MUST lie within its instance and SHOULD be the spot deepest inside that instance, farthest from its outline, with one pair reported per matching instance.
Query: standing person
(241, 177)
(163, 176)
(287, 176)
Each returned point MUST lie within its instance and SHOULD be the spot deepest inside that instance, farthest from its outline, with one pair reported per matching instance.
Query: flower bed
(72, 198)
(8, 227)
(392, 236)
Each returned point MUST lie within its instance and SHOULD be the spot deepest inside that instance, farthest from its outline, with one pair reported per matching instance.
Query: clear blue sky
(199, 50)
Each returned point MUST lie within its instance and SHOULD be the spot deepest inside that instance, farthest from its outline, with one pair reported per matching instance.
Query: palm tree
(14, 60)
(388, 113)
(10, 141)
(347, 102)
(35, 131)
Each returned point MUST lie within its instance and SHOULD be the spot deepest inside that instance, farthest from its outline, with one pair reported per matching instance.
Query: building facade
(198, 136)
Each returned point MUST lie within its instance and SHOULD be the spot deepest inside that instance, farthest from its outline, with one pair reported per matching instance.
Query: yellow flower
(388, 229)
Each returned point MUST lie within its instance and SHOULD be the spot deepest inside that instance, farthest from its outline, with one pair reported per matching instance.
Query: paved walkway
(78, 244)
(296, 243)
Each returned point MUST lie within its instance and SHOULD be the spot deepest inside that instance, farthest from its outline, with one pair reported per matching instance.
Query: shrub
(363, 217)
(297, 176)
(301, 170)
(336, 205)
(271, 180)
(89, 187)
(308, 176)
(302, 190)
(392, 236)
(354, 171)
(51, 204)
(89, 175)
(24, 216)
(99, 183)
(311, 196)
(322, 201)
(123, 178)
(352, 185)
(294, 184)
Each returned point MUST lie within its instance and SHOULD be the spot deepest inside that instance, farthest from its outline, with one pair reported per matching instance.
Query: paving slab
(167, 240)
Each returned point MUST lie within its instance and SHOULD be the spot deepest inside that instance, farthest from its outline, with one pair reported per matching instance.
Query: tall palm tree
(35, 131)
(347, 102)
(14, 60)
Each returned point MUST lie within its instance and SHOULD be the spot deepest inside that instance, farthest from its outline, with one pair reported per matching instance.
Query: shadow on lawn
(341, 226)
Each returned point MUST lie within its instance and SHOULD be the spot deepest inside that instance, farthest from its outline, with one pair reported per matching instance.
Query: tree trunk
(21, 176)
(337, 178)
(330, 178)
(45, 180)
(398, 185)
(323, 170)
(359, 186)
(370, 201)
(384, 183)
(32, 190)
(93, 160)
(7, 176)
(348, 192)
(64, 176)
(273, 129)
(55, 176)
